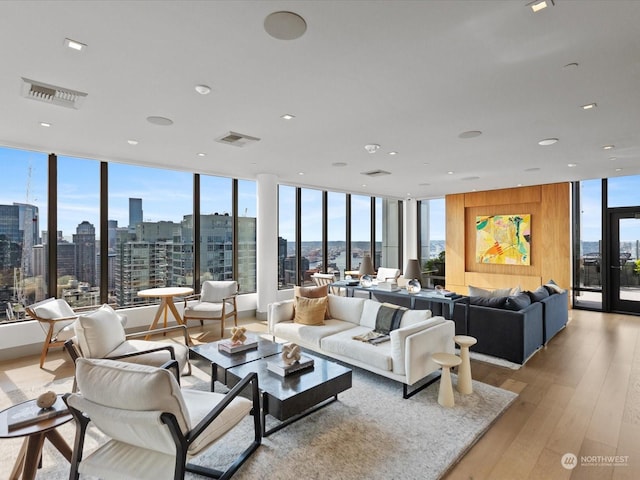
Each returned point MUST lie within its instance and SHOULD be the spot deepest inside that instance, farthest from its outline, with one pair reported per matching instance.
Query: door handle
(616, 267)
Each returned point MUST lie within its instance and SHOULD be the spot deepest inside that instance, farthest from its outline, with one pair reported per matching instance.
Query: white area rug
(371, 433)
(500, 362)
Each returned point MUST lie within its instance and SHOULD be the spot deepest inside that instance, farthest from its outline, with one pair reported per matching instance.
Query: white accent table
(464, 372)
(446, 361)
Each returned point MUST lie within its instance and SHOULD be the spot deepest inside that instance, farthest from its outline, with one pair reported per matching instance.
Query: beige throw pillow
(310, 311)
(313, 292)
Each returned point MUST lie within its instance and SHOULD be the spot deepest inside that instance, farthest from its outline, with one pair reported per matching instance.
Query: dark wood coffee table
(221, 361)
(297, 395)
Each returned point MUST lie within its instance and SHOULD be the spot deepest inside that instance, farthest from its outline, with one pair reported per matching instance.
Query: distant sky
(167, 195)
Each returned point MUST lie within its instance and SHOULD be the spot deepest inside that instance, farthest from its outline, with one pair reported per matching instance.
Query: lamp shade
(366, 266)
(413, 269)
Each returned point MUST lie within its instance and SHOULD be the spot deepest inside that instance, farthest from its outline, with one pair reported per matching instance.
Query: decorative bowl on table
(366, 281)
(413, 286)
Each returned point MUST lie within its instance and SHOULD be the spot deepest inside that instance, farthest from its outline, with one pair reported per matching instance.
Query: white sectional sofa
(405, 358)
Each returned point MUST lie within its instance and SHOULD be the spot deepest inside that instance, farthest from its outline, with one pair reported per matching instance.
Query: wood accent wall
(550, 209)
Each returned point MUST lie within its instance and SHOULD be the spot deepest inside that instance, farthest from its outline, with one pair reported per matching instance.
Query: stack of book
(279, 367)
(227, 346)
(29, 413)
(388, 286)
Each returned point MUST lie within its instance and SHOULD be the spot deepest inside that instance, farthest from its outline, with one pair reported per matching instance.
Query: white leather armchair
(216, 301)
(153, 425)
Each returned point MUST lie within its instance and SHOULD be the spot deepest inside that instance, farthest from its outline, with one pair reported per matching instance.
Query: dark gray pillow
(538, 294)
(493, 302)
(517, 302)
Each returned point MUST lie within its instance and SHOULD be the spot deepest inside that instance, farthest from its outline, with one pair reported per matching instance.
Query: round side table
(446, 361)
(464, 372)
(35, 434)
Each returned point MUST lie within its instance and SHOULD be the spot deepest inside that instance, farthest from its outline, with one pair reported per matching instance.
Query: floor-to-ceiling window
(150, 210)
(246, 236)
(360, 230)
(311, 257)
(337, 233)
(606, 244)
(287, 265)
(78, 231)
(431, 240)
(23, 215)
(216, 229)
(588, 254)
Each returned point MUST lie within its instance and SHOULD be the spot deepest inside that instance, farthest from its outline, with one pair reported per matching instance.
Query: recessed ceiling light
(300, 173)
(393, 153)
(608, 147)
(73, 45)
(613, 158)
(538, 5)
(372, 147)
(364, 184)
(449, 173)
(519, 185)
(162, 121)
(470, 134)
(45, 124)
(571, 165)
(338, 164)
(408, 194)
(287, 116)
(547, 141)
(618, 169)
(202, 154)
(132, 142)
(589, 106)
(203, 89)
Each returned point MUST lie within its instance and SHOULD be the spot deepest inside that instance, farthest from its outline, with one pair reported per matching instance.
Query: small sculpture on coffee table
(238, 336)
(290, 354)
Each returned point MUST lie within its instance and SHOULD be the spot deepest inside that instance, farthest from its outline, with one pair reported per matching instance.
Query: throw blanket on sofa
(388, 318)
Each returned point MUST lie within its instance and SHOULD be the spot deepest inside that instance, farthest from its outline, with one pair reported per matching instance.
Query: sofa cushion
(348, 309)
(369, 314)
(411, 317)
(313, 292)
(343, 344)
(552, 287)
(310, 311)
(517, 302)
(538, 294)
(309, 334)
(498, 292)
(493, 302)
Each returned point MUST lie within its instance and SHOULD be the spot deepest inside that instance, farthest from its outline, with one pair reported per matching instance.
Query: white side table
(464, 372)
(446, 361)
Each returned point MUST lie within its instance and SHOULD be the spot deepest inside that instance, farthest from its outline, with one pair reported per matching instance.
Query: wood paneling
(455, 256)
(549, 207)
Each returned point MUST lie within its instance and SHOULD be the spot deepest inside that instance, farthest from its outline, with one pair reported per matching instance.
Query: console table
(427, 295)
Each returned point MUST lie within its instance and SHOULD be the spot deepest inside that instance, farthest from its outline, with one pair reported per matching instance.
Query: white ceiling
(408, 75)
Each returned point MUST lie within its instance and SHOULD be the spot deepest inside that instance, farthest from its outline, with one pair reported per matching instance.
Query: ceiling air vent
(43, 92)
(237, 139)
(376, 173)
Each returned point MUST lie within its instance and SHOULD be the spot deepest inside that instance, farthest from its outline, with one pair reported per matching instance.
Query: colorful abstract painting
(503, 239)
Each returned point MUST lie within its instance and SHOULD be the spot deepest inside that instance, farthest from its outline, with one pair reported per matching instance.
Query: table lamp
(413, 273)
(365, 271)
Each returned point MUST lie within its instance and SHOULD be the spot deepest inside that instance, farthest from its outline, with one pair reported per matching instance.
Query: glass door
(625, 260)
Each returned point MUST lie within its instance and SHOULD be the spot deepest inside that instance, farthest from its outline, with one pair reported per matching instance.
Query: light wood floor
(580, 395)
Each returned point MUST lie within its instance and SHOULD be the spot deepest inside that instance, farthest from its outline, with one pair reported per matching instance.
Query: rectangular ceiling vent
(43, 92)
(376, 173)
(237, 139)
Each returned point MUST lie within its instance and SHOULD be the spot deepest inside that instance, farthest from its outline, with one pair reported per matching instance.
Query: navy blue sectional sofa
(515, 327)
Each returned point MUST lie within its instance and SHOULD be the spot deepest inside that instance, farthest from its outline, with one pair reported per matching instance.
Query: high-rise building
(135, 213)
(85, 261)
(112, 226)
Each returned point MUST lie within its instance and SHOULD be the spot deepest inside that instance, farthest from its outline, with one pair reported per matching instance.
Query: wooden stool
(446, 361)
(464, 372)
